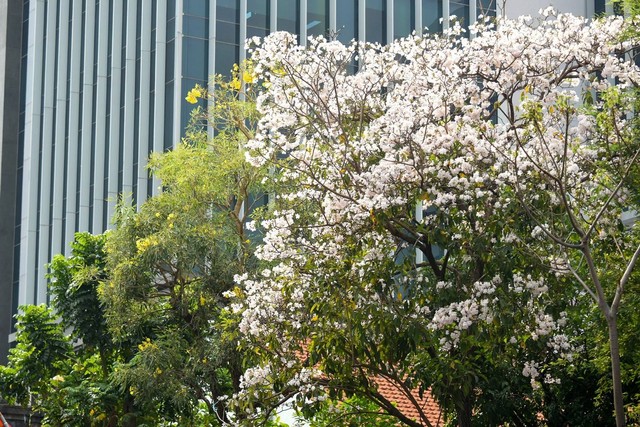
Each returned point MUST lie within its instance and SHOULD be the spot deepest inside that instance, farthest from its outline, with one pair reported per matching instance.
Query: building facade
(90, 88)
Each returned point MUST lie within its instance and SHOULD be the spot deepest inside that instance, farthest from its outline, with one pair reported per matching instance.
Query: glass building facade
(102, 85)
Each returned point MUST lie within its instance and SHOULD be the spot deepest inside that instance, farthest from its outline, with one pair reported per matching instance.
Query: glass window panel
(288, 13)
(226, 56)
(195, 58)
(431, 15)
(168, 69)
(347, 20)
(460, 9)
(228, 32)
(196, 7)
(488, 7)
(228, 10)
(257, 32)
(376, 22)
(168, 116)
(404, 14)
(171, 29)
(258, 13)
(196, 27)
(317, 18)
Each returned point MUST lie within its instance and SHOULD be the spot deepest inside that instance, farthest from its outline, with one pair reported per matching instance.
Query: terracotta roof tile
(396, 395)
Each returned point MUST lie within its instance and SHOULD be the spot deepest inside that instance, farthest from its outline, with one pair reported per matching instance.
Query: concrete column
(30, 168)
(114, 107)
(129, 100)
(10, 84)
(144, 107)
(100, 135)
(88, 106)
(178, 96)
(159, 88)
(61, 125)
(73, 145)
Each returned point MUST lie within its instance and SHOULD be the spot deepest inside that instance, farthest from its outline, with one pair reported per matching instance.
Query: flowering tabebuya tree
(427, 218)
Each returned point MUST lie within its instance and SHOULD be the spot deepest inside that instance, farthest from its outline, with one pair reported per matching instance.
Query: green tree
(42, 352)
(71, 387)
(172, 261)
(74, 285)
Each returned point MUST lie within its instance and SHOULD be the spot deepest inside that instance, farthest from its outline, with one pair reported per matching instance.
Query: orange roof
(410, 406)
(398, 396)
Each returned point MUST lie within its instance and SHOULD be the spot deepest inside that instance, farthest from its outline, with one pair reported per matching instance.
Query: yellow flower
(58, 378)
(235, 84)
(145, 243)
(193, 95)
(146, 344)
(247, 77)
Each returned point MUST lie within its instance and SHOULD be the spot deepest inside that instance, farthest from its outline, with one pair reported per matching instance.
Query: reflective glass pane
(376, 22)
(257, 32)
(196, 27)
(196, 7)
(258, 13)
(431, 15)
(228, 10)
(168, 116)
(168, 69)
(404, 14)
(347, 20)
(317, 17)
(226, 56)
(227, 32)
(171, 29)
(288, 13)
(194, 63)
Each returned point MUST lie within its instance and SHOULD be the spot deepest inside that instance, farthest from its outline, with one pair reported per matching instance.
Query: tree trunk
(129, 415)
(464, 411)
(614, 347)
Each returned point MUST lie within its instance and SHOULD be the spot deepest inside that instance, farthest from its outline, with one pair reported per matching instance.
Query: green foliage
(351, 412)
(74, 285)
(69, 386)
(41, 353)
(173, 259)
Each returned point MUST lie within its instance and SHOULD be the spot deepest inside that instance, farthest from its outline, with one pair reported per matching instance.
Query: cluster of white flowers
(253, 376)
(527, 283)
